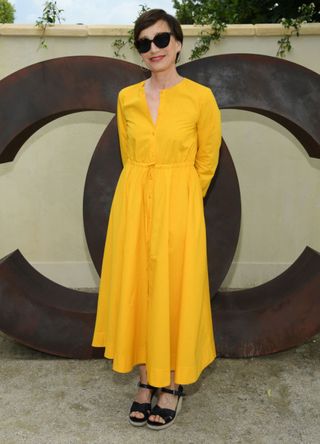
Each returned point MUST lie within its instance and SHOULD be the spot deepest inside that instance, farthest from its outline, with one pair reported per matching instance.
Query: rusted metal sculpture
(42, 314)
(274, 316)
(285, 311)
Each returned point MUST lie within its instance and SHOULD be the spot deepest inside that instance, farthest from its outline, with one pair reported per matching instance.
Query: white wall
(42, 189)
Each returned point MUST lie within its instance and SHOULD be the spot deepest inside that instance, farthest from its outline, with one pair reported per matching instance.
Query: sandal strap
(148, 386)
(164, 413)
(140, 407)
(178, 392)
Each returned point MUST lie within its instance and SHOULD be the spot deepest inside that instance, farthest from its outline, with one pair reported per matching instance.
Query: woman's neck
(162, 80)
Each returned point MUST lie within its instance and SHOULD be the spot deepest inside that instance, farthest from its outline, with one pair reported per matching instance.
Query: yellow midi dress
(154, 298)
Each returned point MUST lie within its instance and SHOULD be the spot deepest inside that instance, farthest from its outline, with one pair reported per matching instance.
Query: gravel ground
(271, 399)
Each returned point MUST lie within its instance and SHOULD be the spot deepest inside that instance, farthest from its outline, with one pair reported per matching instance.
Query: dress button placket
(149, 187)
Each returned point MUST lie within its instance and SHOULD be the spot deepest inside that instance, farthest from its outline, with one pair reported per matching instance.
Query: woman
(154, 302)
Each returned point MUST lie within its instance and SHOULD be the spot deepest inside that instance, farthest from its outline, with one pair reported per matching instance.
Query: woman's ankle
(143, 381)
(143, 374)
(172, 386)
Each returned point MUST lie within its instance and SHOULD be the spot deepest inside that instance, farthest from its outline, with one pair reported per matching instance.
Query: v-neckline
(154, 124)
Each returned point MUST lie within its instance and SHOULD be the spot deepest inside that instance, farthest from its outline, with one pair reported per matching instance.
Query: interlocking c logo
(49, 317)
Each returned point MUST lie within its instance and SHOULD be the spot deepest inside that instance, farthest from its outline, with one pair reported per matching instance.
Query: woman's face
(159, 59)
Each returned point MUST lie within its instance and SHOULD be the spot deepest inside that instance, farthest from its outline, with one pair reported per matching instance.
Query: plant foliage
(7, 11)
(293, 25)
(50, 14)
(217, 13)
(119, 44)
(243, 11)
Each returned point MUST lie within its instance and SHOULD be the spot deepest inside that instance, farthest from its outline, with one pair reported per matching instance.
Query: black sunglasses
(161, 40)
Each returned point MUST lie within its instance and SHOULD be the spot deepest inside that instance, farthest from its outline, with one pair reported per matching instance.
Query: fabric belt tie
(161, 165)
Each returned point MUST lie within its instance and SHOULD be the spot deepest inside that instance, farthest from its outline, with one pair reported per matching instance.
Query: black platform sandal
(168, 415)
(144, 408)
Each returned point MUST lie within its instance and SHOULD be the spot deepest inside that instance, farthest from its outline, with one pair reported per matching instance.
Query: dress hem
(186, 375)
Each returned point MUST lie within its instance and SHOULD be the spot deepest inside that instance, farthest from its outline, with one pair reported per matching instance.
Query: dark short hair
(150, 17)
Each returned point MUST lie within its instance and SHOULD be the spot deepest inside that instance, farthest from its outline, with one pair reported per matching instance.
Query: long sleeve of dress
(122, 129)
(209, 140)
